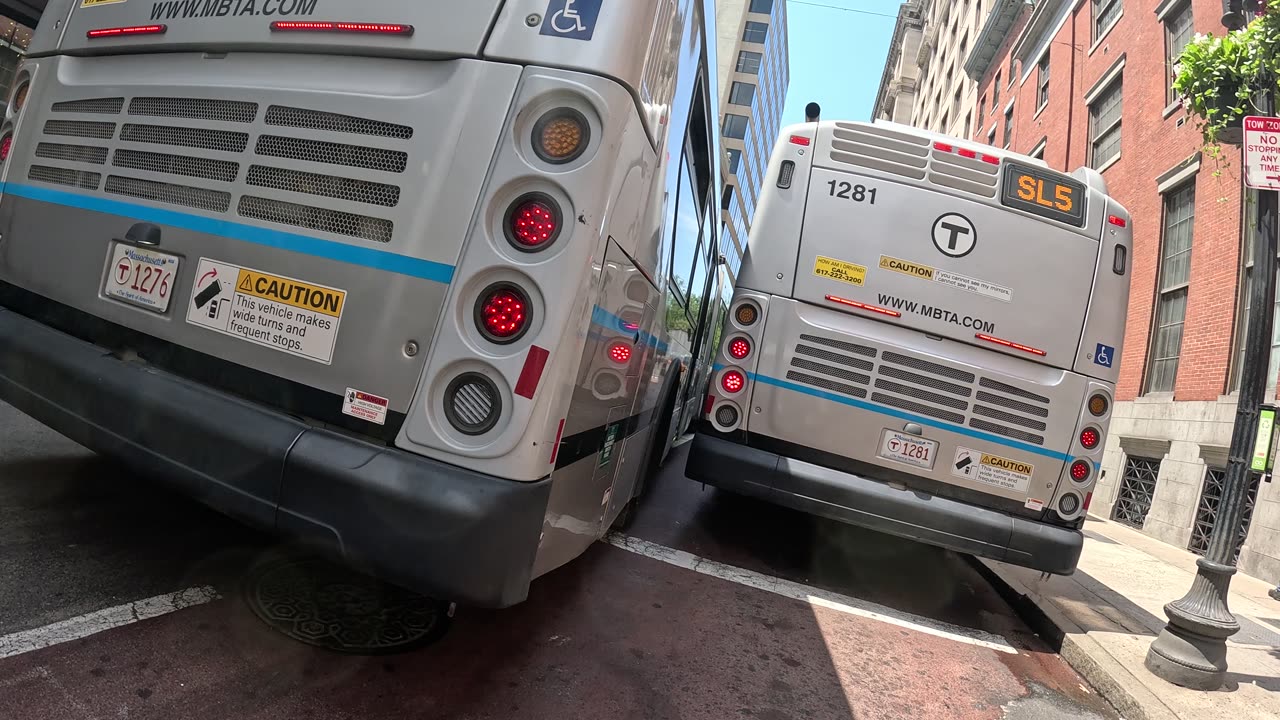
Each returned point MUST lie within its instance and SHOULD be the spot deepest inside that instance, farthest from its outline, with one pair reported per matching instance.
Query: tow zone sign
(1262, 153)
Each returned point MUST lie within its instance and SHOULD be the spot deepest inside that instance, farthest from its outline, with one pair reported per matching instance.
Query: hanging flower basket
(1219, 77)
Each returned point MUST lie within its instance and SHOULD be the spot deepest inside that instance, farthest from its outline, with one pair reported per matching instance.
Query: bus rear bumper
(431, 527)
(877, 506)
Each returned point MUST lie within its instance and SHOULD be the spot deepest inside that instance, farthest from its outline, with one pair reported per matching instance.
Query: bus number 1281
(856, 193)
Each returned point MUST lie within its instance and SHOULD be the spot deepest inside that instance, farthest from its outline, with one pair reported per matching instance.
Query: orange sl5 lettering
(1027, 188)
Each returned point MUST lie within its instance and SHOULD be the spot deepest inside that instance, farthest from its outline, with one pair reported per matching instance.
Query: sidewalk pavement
(1109, 611)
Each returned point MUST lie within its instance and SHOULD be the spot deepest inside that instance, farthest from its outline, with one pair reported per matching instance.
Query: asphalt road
(711, 606)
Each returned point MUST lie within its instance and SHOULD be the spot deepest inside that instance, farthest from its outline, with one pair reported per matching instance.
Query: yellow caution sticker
(906, 267)
(286, 315)
(296, 294)
(840, 271)
(991, 469)
(95, 3)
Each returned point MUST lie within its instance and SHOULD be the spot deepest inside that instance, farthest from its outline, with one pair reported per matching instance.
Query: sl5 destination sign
(1262, 152)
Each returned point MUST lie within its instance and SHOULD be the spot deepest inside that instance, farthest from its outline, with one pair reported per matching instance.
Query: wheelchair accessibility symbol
(1104, 355)
(575, 19)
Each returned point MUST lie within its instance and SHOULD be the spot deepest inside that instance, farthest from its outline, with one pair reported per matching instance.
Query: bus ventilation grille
(196, 163)
(920, 386)
(911, 157)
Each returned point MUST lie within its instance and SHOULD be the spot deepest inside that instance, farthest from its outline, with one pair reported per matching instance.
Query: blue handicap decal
(1104, 355)
(575, 19)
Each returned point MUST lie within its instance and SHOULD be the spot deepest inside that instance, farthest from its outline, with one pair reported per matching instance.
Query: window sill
(1154, 398)
(1103, 37)
(1038, 111)
(1107, 165)
(1173, 108)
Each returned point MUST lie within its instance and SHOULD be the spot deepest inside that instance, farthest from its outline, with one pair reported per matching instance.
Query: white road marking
(811, 595)
(95, 622)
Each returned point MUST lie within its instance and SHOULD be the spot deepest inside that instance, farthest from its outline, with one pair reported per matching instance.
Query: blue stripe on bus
(327, 249)
(606, 319)
(861, 405)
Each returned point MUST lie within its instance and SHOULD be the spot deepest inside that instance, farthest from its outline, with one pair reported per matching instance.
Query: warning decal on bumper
(992, 470)
(291, 316)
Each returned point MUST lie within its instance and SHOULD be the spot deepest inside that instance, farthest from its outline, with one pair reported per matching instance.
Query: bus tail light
(1090, 437)
(727, 416)
(1010, 344)
(533, 222)
(472, 404)
(502, 313)
(733, 382)
(863, 306)
(1098, 405)
(561, 136)
(20, 96)
(1069, 505)
(1087, 500)
(128, 31)
(707, 404)
(343, 27)
(746, 314)
(620, 353)
(739, 348)
(6, 146)
(1080, 470)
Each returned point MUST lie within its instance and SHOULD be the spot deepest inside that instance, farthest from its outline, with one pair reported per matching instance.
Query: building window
(1013, 69)
(741, 93)
(1008, 127)
(1038, 152)
(735, 159)
(1215, 480)
(968, 125)
(1105, 14)
(749, 62)
(1177, 33)
(755, 32)
(982, 103)
(762, 6)
(1104, 125)
(1175, 277)
(991, 135)
(735, 126)
(995, 93)
(1042, 82)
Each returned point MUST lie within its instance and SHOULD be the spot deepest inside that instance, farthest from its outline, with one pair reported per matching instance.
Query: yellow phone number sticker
(841, 271)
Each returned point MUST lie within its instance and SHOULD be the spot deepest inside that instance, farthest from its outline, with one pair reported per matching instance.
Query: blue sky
(837, 56)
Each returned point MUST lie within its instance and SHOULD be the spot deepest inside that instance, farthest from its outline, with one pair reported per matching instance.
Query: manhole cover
(322, 603)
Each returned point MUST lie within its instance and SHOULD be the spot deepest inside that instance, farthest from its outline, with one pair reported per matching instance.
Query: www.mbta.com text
(174, 9)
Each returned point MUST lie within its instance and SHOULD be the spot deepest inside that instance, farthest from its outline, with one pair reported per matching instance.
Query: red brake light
(863, 306)
(1089, 438)
(733, 382)
(1117, 221)
(122, 31)
(620, 353)
(800, 140)
(1087, 499)
(943, 147)
(991, 159)
(1080, 470)
(966, 152)
(6, 145)
(739, 348)
(503, 313)
(374, 28)
(1009, 344)
(533, 223)
(708, 403)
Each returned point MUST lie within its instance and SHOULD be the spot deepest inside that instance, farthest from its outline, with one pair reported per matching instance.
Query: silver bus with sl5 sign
(924, 340)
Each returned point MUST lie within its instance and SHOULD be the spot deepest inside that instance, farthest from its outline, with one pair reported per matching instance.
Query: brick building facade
(1087, 82)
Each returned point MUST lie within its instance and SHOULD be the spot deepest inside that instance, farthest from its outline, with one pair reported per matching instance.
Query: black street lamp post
(1191, 651)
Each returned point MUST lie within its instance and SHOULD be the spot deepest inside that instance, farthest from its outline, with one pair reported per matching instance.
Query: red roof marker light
(349, 27)
(123, 31)
(1013, 345)
(863, 306)
(801, 140)
(1117, 221)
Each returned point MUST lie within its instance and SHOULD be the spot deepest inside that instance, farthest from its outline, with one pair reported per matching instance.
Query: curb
(1113, 681)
